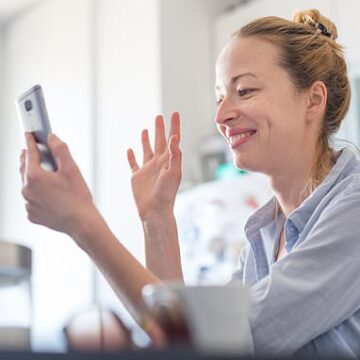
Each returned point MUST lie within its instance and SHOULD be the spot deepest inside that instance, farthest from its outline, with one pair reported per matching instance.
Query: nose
(226, 111)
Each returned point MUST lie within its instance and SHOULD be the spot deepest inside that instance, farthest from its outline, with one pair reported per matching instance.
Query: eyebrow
(237, 77)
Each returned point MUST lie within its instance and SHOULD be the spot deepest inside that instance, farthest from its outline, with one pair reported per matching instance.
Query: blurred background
(107, 68)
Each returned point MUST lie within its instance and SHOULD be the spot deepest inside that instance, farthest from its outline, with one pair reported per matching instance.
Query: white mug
(216, 315)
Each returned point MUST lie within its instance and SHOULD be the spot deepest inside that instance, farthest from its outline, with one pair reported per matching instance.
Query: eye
(245, 92)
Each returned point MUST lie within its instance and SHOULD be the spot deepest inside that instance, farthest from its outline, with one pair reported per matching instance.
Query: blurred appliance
(211, 218)
(15, 297)
(213, 152)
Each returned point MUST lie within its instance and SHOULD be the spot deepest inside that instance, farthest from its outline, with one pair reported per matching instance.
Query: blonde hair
(309, 52)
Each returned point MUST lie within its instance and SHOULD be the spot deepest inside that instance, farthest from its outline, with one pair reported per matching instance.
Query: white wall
(186, 74)
(188, 65)
(50, 45)
(129, 96)
(2, 120)
(348, 23)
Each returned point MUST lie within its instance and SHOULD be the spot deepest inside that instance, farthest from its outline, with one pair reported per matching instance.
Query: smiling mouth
(238, 139)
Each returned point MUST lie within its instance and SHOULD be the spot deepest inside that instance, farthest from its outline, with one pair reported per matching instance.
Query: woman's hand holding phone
(60, 200)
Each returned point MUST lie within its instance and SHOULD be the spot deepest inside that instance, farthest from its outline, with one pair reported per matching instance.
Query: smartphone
(34, 117)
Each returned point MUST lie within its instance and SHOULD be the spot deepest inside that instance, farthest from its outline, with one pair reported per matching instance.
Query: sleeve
(315, 287)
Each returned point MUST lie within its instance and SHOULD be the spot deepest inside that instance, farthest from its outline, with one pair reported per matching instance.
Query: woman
(282, 91)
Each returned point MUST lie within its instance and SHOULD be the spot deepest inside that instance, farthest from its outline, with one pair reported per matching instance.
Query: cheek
(258, 107)
(261, 113)
(279, 117)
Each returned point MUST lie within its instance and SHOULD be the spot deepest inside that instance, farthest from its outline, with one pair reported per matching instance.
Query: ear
(317, 97)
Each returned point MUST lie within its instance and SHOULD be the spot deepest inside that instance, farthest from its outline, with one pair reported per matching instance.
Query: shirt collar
(300, 215)
(264, 216)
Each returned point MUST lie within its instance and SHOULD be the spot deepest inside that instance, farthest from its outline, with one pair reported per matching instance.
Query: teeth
(235, 138)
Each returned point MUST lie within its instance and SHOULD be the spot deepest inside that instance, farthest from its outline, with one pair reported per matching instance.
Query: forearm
(162, 246)
(125, 274)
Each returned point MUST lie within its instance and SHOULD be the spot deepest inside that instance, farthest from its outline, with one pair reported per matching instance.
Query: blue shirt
(308, 302)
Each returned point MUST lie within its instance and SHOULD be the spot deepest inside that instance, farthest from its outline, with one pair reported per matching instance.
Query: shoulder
(346, 190)
(336, 218)
(348, 165)
(332, 212)
(342, 184)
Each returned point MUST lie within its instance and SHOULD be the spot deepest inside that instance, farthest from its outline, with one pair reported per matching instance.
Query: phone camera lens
(28, 105)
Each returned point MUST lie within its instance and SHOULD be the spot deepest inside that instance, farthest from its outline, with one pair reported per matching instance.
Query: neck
(290, 186)
(289, 198)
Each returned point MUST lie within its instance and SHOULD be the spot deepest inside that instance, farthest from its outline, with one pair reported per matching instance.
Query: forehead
(247, 55)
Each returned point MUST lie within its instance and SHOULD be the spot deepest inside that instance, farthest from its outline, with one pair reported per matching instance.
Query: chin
(241, 165)
(247, 164)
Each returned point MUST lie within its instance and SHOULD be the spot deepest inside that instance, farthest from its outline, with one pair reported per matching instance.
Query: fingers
(175, 155)
(33, 154)
(175, 125)
(160, 138)
(132, 161)
(157, 335)
(161, 144)
(22, 165)
(61, 152)
(147, 150)
(155, 332)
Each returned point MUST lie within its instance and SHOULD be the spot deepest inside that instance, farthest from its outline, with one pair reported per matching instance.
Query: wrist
(157, 217)
(86, 226)
(160, 231)
(161, 242)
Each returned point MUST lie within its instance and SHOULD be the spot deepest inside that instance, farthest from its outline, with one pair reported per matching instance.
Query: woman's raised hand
(60, 200)
(156, 182)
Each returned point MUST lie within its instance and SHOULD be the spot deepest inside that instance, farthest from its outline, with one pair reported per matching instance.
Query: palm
(156, 182)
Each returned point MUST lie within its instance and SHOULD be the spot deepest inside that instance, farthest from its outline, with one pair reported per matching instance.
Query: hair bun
(313, 19)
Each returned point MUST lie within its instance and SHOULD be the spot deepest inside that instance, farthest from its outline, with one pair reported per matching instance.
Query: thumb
(60, 151)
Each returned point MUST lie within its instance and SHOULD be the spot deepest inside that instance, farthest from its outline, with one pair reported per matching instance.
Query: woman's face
(259, 111)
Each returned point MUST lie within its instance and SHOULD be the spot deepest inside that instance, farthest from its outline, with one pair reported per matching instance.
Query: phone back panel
(32, 111)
